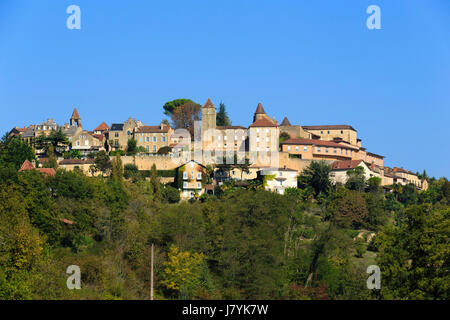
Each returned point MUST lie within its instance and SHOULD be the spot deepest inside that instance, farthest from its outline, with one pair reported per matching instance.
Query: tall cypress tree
(222, 116)
(154, 182)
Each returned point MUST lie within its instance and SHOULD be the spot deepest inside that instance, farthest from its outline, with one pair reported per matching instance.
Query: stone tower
(75, 118)
(208, 120)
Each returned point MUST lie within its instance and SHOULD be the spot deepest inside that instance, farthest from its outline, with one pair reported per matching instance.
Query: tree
(222, 118)
(348, 208)
(117, 169)
(414, 257)
(52, 161)
(316, 175)
(57, 139)
(131, 147)
(182, 272)
(356, 179)
(185, 116)
(171, 106)
(102, 162)
(243, 167)
(164, 150)
(130, 171)
(284, 136)
(73, 154)
(154, 182)
(15, 151)
(170, 194)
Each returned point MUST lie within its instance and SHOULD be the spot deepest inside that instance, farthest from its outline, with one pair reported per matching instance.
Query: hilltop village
(292, 147)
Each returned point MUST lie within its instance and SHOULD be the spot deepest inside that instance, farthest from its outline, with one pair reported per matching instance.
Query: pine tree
(154, 182)
(222, 116)
(117, 169)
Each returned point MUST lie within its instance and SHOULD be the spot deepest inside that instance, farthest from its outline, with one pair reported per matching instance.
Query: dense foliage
(314, 242)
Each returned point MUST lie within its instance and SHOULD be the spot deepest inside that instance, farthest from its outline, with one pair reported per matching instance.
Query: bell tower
(75, 118)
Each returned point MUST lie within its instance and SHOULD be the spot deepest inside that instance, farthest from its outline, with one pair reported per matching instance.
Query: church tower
(75, 118)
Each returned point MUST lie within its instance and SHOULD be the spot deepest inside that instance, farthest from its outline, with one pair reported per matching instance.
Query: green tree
(102, 162)
(170, 194)
(52, 161)
(356, 179)
(414, 257)
(171, 106)
(130, 171)
(15, 151)
(222, 118)
(316, 175)
(117, 169)
(155, 184)
(131, 147)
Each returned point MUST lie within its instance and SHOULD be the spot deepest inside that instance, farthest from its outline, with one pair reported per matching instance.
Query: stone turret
(75, 118)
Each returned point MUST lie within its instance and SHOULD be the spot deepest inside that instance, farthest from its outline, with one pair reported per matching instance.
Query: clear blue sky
(314, 61)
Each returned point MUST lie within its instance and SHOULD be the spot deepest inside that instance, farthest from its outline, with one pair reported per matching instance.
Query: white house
(280, 179)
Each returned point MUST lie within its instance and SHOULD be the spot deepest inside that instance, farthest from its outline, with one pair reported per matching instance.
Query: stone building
(153, 138)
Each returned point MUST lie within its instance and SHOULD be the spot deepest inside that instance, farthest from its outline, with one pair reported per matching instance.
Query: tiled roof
(153, 129)
(102, 127)
(316, 142)
(47, 171)
(117, 127)
(98, 136)
(229, 127)
(260, 109)
(27, 165)
(331, 127)
(209, 104)
(346, 164)
(285, 122)
(75, 114)
(263, 122)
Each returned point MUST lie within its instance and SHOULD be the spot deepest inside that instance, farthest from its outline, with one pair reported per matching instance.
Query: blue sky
(314, 61)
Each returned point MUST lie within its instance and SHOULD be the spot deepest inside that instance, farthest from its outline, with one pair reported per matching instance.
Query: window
(289, 148)
(155, 139)
(199, 176)
(335, 150)
(342, 132)
(164, 139)
(305, 148)
(257, 129)
(318, 149)
(148, 149)
(321, 132)
(116, 135)
(140, 139)
(185, 184)
(86, 143)
(185, 175)
(199, 185)
(154, 148)
(326, 149)
(328, 131)
(78, 143)
(296, 148)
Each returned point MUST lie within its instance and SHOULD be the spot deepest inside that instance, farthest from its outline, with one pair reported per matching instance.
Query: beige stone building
(192, 176)
(295, 131)
(329, 132)
(119, 133)
(313, 149)
(83, 165)
(153, 138)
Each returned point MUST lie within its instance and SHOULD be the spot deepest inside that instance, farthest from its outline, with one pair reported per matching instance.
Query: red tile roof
(317, 143)
(263, 122)
(152, 129)
(98, 136)
(259, 108)
(75, 114)
(331, 127)
(209, 104)
(27, 165)
(102, 127)
(47, 171)
(346, 164)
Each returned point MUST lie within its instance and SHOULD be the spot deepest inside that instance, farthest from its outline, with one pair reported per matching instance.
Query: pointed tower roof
(285, 122)
(102, 127)
(259, 109)
(75, 114)
(209, 104)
